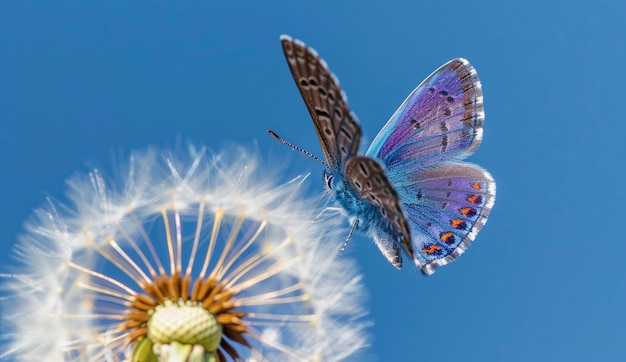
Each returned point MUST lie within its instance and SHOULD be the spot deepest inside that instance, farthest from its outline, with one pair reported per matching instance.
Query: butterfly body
(410, 191)
(363, 214)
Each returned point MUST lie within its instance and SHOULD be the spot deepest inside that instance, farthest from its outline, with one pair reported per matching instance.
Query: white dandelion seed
(193, 258)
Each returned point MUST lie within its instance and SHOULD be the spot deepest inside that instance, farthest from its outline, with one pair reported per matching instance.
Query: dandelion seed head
(199, 255)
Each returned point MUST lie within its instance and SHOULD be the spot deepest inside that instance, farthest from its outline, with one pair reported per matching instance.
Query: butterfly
(410, 191)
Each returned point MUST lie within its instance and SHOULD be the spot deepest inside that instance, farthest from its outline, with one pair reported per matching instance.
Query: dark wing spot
(431, 90)
(321, 91)
(331, 96)
(447, 112)
(357, 184)
(447, 237)
(419, 195)
(444, 205)
(415, 124)
(346, 133)
(475, 199)
(458, 224)
(338, 113)
(327, 131)
(431, 249)
(321, 112)
(450, 99)
(363, 169)
(368, 184)
(375, 199)
(444, 143)
(444, 127)
(304, 83)
(313, 82)
(443, 93)
(378, 180)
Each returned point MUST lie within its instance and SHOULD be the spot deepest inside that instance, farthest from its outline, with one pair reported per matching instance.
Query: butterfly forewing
(440, 120)
(337, 129)
(368, 179)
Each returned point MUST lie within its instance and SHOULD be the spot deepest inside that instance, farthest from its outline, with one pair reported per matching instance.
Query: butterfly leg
(327, 209)
(345, 243)
(334, 209)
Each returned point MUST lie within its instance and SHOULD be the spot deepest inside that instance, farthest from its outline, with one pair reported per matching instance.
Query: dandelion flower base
(185, 323)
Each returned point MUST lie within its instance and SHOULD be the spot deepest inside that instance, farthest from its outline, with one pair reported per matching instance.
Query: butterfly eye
(328, 178)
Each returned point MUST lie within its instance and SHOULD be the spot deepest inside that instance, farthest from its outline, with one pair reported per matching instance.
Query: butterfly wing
(446, 207)
(445, 202)
(368, 179)
(339, 134)
(337, 128)
(440, 120)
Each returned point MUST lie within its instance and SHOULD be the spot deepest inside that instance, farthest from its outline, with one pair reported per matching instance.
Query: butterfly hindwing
(367, 177)
(446, 206)
(440, 120)
(337, 128)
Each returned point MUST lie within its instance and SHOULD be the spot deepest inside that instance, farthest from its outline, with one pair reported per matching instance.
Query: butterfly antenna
(345, 243)
(305, 152)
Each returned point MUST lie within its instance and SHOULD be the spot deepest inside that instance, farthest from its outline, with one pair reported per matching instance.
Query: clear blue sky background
(545, 280)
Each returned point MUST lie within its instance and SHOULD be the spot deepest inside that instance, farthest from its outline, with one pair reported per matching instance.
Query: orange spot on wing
(476, 186)
(468, 211)
(475, 199)
(458, 224)
(432, 249)
(447, 237)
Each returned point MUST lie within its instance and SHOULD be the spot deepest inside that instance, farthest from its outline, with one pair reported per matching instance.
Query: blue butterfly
(410, 191)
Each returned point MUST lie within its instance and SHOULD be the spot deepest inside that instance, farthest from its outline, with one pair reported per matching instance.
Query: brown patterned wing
(338, 131)
(368, 179)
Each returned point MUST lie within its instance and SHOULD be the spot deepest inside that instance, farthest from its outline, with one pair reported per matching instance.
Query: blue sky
(81, 82)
